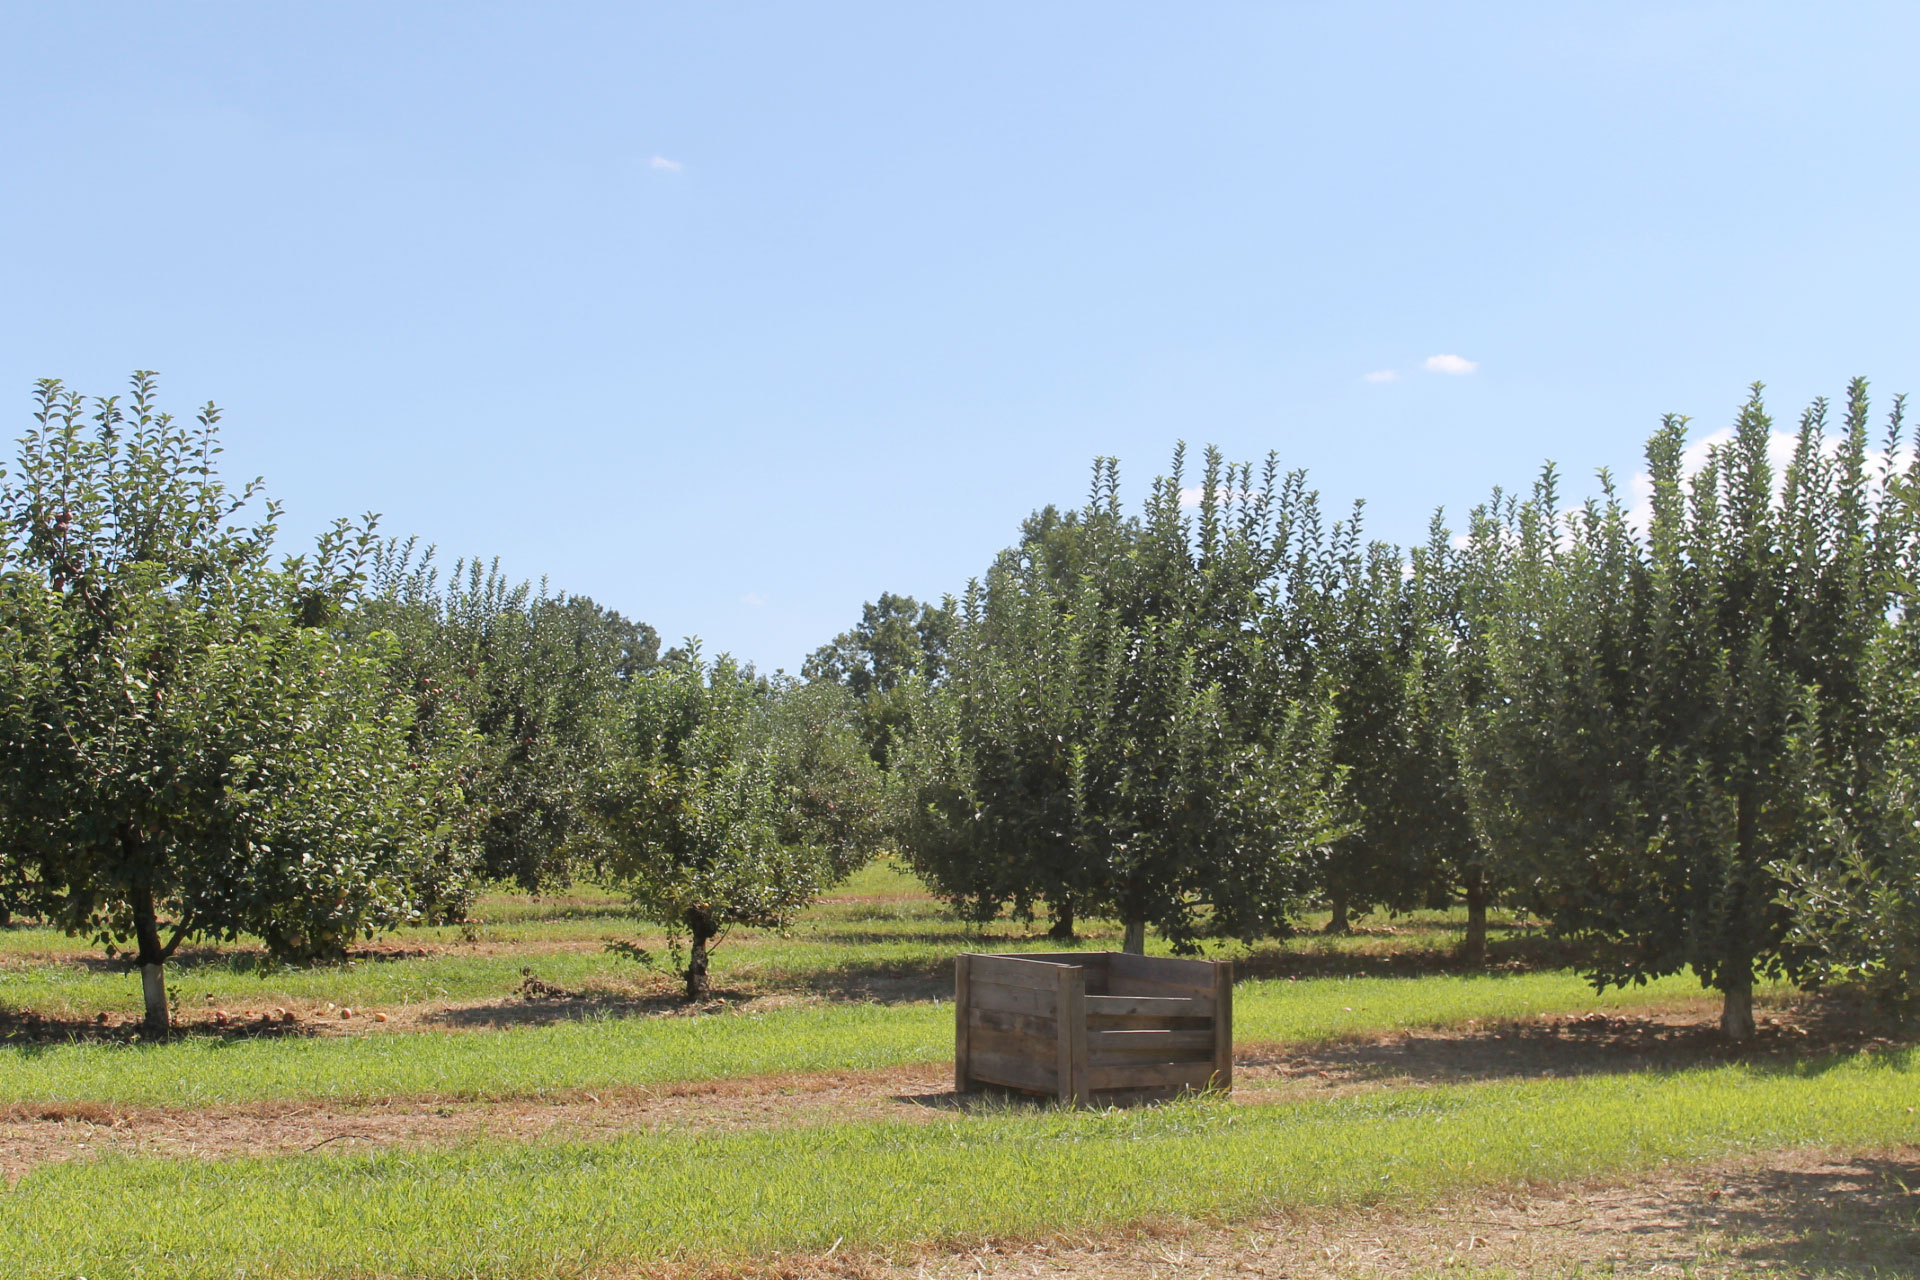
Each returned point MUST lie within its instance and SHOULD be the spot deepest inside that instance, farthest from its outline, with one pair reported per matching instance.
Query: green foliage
(899, 642)
(734, 800)
(1674, 715)
(1854, 896)
(533, 680)
(187, 744)
(1120, 728)
(1385, 635)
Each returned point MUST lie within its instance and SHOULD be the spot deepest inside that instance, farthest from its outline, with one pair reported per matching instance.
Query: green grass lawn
(567, 1209)
(879, 928)
(610, 1052)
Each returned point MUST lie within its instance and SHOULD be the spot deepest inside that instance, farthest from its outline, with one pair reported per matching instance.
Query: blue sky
(733, 316)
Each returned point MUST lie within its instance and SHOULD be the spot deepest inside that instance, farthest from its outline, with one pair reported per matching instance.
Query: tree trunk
(1136, 939)
(1736, 972)
(700, 931)
(1736, 1012)
(1062, 930)
(151, 958)
(1477, 895)
(1341, 922)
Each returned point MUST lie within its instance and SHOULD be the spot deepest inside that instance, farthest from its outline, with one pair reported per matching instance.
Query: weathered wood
(1148, 975)
(1178, 1045)
(1073, 1036)
(998, 995)
(1012, 1043)
(1013, 1071)
(1149, 1006)
(1025, 1024)
(962, 1021)
(1014, 971)
(1150, 1024)
(1223, 1025)
(1146, 1075)
(1083, 959)
(1042, 1024)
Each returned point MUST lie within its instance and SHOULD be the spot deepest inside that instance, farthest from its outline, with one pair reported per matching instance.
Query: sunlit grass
(879, 927)
(602, 1053)
(570, 1209)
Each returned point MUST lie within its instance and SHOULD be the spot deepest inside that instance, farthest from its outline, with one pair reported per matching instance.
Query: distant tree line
(1683, 734)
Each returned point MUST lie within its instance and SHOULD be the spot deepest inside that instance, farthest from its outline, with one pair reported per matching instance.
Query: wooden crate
(1092, 1026)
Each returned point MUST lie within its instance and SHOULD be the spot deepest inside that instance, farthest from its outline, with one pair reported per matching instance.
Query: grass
(608, 1052)
(879, 928)
(566, 1209)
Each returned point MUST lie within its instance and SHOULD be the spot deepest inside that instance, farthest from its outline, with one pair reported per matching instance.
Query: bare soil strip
(1806, 1213)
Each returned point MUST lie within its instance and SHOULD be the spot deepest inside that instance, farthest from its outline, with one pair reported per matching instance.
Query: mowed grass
(571, 1209)
(615, 1052)
(879, 929)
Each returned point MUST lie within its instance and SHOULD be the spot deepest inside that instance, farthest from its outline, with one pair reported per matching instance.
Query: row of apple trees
(1686, 733)
(201, 738)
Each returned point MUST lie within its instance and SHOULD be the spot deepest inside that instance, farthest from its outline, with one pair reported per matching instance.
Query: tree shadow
(34, 1033)
(581, 1006)
(1811, 1037)
(1851, 1217)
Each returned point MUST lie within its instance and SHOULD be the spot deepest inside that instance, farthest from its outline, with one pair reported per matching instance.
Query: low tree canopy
(734, 800)
(188, 746)
(1120, 730)
(1677, 714)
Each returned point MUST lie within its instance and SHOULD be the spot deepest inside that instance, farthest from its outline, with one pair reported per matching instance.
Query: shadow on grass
(31, 1032)
(1859, 1218)
(1811, 1036)
(582, 1006)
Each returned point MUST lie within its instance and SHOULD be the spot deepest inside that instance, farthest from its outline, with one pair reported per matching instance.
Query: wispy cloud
(1450, 364)
(753, 598)
(664, 165)
(1382, 375)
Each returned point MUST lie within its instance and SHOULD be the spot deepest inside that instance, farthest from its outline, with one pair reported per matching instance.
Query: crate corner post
(1070, 1019)
(1223, 1025)
(962, 1021)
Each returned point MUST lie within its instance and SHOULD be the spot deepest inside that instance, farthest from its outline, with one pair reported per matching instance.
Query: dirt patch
(33, 1134)
(1801, 1213)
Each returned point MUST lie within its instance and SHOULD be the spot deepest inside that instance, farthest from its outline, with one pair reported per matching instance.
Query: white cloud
(1781, 446)
(754, 599)
(1190, 496)
(665, 165)
(1382, 375)
(1450, 364)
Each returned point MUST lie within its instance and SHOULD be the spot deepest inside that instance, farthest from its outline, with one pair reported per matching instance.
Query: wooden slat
(1150, 1024)
(1176, 1044)
(1013, 1071)
(1223, 1025)
(1157, 975)
(1145, 1075)
(1016, 972)
(1036, 1049)
(1082, 959)
(1024, 1024)
(998, 995)
(962, 1020)
(1149, 1006)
